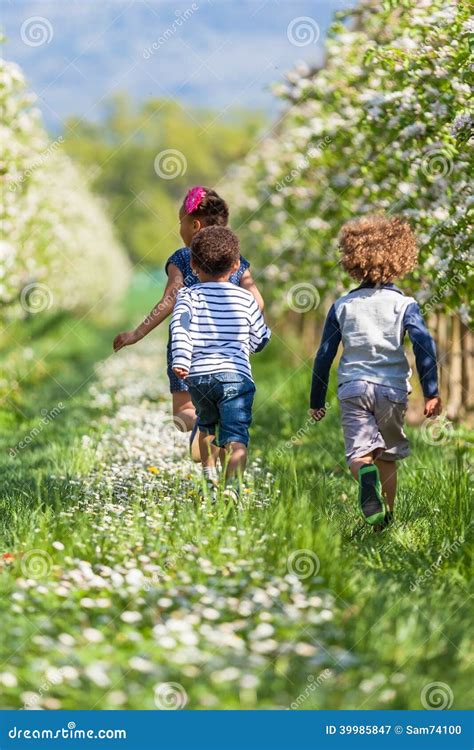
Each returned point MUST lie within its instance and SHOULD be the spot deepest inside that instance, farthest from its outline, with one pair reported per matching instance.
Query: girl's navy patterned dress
(182, 260)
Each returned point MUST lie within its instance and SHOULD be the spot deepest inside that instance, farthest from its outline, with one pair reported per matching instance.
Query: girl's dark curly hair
(205, 204)
(378, 248)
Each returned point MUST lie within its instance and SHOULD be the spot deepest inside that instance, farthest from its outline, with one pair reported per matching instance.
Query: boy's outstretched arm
(260, 333)
(247, 282)
(330, 341)
(159, 313)
(425, 357)
(181, 341)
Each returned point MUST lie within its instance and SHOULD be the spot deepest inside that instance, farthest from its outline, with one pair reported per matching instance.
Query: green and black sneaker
(371, 499)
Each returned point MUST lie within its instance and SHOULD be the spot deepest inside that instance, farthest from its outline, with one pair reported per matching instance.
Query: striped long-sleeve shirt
(214, 328)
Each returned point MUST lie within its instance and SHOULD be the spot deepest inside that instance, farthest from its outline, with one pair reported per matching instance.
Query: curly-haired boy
(373, 374)
(216, 325)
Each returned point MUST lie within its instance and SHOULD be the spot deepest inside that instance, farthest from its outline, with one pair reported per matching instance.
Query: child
(201, 207)
(215, 326)
(373, 375)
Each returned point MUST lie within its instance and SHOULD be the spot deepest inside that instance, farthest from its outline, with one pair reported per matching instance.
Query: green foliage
(383, 126)
(121, 152)
(121, 581)
(58, 250)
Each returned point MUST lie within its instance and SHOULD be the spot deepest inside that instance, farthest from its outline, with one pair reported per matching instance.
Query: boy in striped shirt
(214, 328)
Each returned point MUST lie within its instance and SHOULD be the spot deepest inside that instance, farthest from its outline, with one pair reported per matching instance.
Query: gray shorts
(372, 420)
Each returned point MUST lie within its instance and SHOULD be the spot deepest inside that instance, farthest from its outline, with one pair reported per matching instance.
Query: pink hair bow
(193, 198)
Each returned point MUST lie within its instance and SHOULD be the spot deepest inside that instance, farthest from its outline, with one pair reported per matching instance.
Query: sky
(219, 54)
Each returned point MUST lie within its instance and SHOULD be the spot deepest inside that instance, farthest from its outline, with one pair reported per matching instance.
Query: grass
(123, 590)
(404, 594)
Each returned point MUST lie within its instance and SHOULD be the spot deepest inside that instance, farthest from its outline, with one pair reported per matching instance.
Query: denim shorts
(372, 419)
(223, 405)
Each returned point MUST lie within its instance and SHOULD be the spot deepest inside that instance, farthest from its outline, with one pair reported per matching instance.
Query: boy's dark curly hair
(215, 250)
(212, 209)
(378, 248)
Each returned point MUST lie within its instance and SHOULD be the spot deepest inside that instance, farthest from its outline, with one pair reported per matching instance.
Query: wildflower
(92, 635)
(97, 674)
(130, 617)
(140, 664)
(8, 679)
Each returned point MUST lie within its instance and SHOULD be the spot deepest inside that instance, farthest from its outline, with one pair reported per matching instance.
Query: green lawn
(123, 590)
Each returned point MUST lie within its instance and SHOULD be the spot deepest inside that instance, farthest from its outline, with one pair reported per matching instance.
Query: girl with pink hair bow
(202, 207)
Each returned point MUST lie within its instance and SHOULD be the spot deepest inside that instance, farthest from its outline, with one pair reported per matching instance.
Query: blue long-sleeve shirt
(371, 322)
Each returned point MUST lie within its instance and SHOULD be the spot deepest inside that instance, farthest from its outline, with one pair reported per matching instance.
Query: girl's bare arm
(247, 282)
(160, 312)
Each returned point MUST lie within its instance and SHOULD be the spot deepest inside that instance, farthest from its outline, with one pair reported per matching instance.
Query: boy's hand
(126, 338)
(432, 406)
(180, 372)
(318, 414)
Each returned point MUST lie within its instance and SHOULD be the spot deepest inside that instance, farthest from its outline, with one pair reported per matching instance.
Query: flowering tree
(385, 126)
(57, 249)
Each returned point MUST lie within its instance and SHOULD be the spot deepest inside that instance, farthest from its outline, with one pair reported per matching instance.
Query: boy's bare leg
(184, 412)
(236, 460)
(184, 415)
(207, 450)
(209, 455)
(388, 478)
(358, 462)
